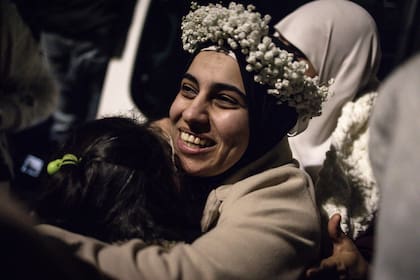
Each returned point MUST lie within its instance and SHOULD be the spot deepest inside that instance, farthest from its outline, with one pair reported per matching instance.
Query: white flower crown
(237, 27)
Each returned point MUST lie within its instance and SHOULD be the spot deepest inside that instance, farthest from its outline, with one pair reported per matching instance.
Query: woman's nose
(196, 115)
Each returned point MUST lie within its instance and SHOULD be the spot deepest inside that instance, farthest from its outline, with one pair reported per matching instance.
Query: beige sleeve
(268, 229)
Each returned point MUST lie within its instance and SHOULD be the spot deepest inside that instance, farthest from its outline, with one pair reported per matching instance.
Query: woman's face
(210, 115)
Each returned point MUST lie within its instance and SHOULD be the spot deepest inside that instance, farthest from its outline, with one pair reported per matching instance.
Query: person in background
(342, 45)
(79, 38)
(28, 94)
(394, 137)
(394, 153)
(253, 206)
(114, 180)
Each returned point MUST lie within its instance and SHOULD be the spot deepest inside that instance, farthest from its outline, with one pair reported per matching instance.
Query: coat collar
(278, 156)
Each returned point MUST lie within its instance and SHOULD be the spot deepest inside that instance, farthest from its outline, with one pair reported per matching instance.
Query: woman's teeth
(193, 140)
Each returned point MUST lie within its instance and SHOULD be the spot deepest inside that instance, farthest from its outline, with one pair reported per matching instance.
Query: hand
(346, 262)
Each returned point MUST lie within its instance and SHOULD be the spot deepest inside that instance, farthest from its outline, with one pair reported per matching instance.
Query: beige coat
(266, 226)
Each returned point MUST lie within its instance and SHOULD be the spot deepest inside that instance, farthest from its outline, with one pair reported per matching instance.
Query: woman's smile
(190, 144)
(194, 141)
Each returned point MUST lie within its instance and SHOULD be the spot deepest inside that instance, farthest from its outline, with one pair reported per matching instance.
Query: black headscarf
(269, 122)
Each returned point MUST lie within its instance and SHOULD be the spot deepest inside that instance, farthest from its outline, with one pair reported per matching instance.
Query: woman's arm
(268, 229)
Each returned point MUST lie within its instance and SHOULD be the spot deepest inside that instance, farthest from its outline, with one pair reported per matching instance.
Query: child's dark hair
(124, 186)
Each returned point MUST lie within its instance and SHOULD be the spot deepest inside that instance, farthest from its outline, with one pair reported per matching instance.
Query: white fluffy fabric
(346, 184)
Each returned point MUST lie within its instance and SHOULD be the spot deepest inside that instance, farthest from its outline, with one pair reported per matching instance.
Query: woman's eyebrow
(222, 86)
(216, 86)
(190, 77)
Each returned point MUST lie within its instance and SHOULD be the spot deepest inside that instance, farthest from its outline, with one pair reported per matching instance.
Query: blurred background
(113, 56)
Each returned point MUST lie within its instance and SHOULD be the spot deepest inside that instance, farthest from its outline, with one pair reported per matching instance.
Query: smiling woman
(210, 109)
(253, 206)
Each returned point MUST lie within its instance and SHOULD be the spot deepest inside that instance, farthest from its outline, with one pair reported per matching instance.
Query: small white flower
(237, 27)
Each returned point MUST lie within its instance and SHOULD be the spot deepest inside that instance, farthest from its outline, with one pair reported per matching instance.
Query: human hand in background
(346, 262)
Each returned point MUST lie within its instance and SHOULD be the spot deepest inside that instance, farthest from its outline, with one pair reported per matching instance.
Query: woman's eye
(188, 90)
(226, 101)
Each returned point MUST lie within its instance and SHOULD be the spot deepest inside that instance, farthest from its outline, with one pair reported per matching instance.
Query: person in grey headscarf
(394, 156)
(342, 44)
(340, 41)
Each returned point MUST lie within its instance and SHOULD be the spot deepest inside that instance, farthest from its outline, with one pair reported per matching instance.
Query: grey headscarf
(340, 40)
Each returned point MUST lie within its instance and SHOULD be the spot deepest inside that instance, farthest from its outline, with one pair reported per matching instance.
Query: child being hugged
(114, 179)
